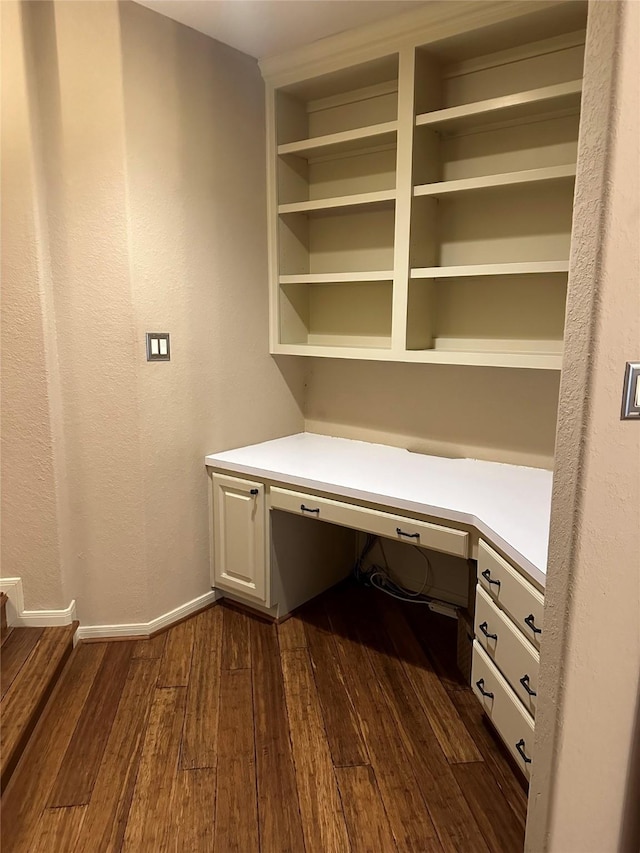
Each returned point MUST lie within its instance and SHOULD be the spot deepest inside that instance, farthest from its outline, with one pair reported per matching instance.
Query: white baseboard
(18, 617)
(143, 629)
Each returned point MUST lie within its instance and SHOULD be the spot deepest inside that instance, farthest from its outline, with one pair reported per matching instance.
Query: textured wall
(486, 413)
(150, 194)
(30, 530)
(585, 788)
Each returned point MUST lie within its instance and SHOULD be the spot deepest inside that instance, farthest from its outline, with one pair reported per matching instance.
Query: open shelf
(337, 314)
(356, 200)
(339, 109)
(338, 278)
(492, 227)
(522, 315)
(338, 241)
(507, 179)
(518, 105)
(473, 270)
(344, 141)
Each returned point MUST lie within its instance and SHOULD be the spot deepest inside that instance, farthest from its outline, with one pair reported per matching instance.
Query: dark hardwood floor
(346, 728)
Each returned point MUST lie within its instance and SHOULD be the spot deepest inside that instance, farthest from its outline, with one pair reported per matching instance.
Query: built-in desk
(509, 505)
(493, 513)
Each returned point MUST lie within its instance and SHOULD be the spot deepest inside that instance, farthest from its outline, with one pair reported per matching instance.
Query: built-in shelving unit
(421, 201)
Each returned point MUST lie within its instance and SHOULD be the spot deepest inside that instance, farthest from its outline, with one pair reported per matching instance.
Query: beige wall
(487, 413)
(150, 192)
(585, 790)
(30, 529)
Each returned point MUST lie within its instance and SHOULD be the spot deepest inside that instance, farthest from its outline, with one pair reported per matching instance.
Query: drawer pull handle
(525, 683)
(308, 509)
(485, 630)
(480, 686)
(487, 574)
(520, 747)
(408, 535)
(254, 491)
(530, 621)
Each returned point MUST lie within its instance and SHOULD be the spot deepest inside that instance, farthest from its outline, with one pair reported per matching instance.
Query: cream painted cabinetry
(508, 628)
(239, 538)
(420, 198)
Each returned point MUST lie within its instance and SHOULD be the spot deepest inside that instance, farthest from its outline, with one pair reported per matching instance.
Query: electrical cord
(381, 577)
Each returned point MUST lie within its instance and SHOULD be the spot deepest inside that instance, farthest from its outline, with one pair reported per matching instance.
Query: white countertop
(508, 504)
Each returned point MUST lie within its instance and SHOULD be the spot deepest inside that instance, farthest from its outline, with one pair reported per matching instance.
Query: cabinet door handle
(485, 630)
(520, 747)
(525, 683)
(487, 575)
(530, 621)
(254, 491)
(480, 686)
(309, 509)
(407, 535)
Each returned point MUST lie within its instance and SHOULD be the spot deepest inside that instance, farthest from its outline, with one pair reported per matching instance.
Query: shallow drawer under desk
(514, 656)
(423, 533)
(509, 589)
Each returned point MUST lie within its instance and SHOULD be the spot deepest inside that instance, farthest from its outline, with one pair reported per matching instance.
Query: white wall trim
(18, 617)
(143, 629)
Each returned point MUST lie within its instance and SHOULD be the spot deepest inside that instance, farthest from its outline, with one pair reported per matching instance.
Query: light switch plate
(158, 346)
(631, 392)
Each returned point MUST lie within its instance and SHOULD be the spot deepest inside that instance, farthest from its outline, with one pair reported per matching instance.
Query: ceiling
(267, 27)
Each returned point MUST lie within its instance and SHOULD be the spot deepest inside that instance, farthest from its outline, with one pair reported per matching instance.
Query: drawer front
(506, 713)
(512, 592)
(516, 659)
(398, 527)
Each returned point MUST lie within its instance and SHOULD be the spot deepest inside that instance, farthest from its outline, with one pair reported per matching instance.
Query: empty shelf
(531, 102)
(337, 277)
(356, 200)
(472, 270)
(346, 140)
(508, 179)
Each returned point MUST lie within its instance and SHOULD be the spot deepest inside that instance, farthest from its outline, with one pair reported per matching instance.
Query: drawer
(512, 592)
(516, 659)
(380, 523)
(513, 723)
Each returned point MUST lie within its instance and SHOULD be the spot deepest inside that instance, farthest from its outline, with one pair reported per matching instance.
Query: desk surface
(508, 504)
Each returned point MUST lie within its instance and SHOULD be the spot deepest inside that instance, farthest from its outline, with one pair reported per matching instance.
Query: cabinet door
(239, 553)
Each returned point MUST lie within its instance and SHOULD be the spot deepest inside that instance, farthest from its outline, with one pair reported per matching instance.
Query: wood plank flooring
(346, 728)
(31, 662)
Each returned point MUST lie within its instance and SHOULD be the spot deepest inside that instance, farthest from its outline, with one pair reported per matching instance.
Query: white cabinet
(239, 540)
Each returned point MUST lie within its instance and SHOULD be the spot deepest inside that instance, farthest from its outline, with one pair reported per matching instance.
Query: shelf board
(528, 103)
(531, 360)
(489, 358)
(498, 345)
(507, 179)
(337, 277)
(339, 346)
(355, 200)
(346, 140)
(473, 270)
